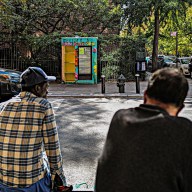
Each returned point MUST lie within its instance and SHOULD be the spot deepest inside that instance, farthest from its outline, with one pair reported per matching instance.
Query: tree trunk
(155, 42)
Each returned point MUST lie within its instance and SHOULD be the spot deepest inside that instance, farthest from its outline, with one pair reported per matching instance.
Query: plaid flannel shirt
(27, 128)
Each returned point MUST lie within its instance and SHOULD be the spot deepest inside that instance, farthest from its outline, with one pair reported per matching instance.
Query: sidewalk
(95, 91)
(111, 90)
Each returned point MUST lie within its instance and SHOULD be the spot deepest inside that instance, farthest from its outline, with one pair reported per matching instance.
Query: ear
(180, 108)
(37, 89)
(145, 97)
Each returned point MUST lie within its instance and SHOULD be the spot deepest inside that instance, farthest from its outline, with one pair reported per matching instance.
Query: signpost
(175, 34)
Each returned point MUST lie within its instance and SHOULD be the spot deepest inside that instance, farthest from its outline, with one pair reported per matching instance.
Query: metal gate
(113, 70)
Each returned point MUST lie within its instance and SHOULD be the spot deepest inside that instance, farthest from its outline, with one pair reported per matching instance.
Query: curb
(124, 96)
(188, 100)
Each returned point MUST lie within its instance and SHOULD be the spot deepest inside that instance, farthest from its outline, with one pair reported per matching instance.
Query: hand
(63, 188)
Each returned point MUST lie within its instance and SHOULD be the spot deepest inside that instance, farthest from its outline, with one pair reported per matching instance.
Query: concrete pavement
(83, 125)
(95, 91)
(83, 115)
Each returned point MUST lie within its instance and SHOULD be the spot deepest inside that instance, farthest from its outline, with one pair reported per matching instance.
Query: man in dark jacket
(149, 148)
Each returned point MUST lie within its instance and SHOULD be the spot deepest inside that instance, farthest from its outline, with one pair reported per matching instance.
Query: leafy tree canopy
(66, 16)
(42, 22)
(152, 18)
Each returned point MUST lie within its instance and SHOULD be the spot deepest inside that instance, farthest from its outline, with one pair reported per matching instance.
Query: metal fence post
(102, 83)
(137, 83)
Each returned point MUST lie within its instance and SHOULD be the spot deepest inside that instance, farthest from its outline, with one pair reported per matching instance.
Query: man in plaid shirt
(27, 129)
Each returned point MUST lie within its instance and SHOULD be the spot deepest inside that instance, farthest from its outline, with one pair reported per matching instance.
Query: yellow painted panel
(70, 77)
(69, 67)
(69, 49)
(69, 57)
(63, 64)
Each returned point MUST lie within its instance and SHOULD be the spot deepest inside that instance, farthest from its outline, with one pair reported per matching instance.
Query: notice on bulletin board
(81, 51)
(141, 66)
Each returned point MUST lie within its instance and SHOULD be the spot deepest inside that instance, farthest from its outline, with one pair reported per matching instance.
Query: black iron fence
(113, 70)
(17, 56)
(9, 57)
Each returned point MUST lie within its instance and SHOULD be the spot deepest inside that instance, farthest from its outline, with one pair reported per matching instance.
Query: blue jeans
(43, 185)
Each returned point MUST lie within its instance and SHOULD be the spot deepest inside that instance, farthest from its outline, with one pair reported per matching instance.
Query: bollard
(137, 83)
(102, 83)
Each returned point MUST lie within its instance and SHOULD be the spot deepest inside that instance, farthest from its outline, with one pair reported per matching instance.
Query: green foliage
(111, 71)
(156, 19)
(167, 43)
(66, 16)
(40, 24)
(122, 59)
(121, 49)
(111, 57)
(130, 76)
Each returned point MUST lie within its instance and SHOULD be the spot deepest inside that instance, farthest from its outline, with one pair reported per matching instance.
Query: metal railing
(113, 70)
(16, 56)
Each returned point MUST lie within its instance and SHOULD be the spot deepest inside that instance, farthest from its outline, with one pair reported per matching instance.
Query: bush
(111, 72)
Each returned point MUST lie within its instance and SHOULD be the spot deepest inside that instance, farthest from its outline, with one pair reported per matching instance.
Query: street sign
(174, 33)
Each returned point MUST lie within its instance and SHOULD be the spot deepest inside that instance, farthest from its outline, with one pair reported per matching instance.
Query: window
(85, 64)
